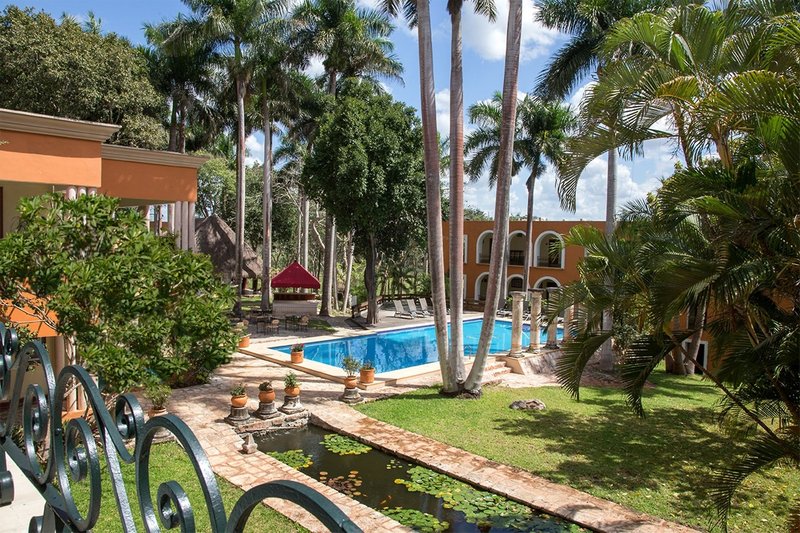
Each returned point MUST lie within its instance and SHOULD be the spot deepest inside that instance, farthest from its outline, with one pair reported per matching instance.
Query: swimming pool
(404, 348)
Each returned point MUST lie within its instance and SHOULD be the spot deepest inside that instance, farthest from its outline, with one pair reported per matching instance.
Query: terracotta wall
(46, 159)
(474, 267)
(147, 181)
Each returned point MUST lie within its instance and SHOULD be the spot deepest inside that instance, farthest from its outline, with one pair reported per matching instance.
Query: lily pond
(415, 496)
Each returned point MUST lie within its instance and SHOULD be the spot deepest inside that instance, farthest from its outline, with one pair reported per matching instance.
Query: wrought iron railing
(55, 454)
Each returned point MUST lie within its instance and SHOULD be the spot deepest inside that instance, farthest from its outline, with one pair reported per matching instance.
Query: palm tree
(503, 186)
(456, 218)
(353, 43)
(588, 23)
(231, 29)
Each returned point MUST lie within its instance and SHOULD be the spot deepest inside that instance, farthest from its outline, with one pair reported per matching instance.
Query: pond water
(408, 347)
(402, 489)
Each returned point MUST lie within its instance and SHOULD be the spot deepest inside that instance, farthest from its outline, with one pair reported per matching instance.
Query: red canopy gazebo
(295, 276)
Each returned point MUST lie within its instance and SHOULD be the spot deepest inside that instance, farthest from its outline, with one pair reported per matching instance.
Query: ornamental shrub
(135, 309)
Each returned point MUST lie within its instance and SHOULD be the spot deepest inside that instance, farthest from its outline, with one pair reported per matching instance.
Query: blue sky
(484, 47)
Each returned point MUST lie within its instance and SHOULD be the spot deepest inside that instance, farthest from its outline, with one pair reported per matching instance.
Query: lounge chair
(413, 308)
(423, 303)
(399, 312)
(505, 311)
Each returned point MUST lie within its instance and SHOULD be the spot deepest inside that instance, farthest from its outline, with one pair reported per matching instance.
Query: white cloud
(254, 150)
(488, 39)
(315, 67)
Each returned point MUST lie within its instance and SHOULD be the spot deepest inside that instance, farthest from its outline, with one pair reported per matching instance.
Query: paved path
(27, 503)
(513, 483)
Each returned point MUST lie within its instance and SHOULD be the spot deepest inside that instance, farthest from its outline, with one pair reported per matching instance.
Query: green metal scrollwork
(72, 455)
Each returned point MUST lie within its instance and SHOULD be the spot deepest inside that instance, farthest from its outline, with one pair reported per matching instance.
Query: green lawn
(169, 462)
(658, 465)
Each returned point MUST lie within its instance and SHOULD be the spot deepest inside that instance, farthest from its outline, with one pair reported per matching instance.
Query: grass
(169, 462)
(659, 465)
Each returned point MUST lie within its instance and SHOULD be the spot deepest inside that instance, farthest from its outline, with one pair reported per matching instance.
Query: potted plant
(350, 365)
(290, 385)
(158, 394)
(244, 340)
(367, 372)
(266, 393)
(239, 395)
(297, 353)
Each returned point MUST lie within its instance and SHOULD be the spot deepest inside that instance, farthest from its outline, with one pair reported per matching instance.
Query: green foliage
(479, 507)
(416, 520)
(139, 310)
(290, 380)
(239, 389)
(350, 365)
(341, 445)
(298, 347)
(294, 458)
(158, 395)
(78, 74)
(265, 386)
(367, 365)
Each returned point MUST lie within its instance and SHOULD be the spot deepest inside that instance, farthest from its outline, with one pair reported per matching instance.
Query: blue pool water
(405, 348)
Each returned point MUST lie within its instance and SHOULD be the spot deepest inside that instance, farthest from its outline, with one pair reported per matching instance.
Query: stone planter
(266, 396)
(239, 401)
(367, 376)
(297, 357)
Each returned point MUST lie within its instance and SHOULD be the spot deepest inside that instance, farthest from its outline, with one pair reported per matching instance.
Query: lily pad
(294, 458)
(341, 445)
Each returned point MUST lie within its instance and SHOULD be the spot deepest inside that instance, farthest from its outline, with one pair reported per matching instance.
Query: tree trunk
(349, 251)
(329, 269)
(433, 199)
(304, 241)
(529, 227)
(370, 282)
(455, 359)
(611, 191)
(182, 128)
(266, 265)
(240, 194)
(696, 323)
(502, 190)
(173, 126)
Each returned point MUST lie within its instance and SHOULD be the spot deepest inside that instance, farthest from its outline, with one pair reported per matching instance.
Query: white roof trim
(11, 120)
(152, 157)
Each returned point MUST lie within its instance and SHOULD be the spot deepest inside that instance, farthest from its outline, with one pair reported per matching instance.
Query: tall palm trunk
(529, 226)
(240, 192)
(173, 126)
(304, 237)
(349, 251)
(606, 350)
(329, 268)
(370, 280)
(266, 265)
(502, 190)
(455, 359)
(433, 199)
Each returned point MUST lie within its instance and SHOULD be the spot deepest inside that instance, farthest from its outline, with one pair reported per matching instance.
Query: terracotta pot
(157, 412)
(297, 357)
(266, 396)
(239, 401)
(244, 342)
(292, 391)
(350, 382)
(367, 376)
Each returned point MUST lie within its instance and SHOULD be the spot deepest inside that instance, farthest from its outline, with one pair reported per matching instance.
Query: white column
(171, 217)
(536, 310)
(568, 315)
(72, 192)
(552, 334)
(178, 226)
(81, 191)
(517, 299)
(184, 225)
(191, 226)
(92, 191)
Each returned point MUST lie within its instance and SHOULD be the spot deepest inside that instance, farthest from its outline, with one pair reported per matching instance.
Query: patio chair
(399, 312)
(505, 311)
(423, 304)
(413, 308)
(274, 326)
(302, 323)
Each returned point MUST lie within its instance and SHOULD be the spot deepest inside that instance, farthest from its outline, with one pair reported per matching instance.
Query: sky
(484, 50)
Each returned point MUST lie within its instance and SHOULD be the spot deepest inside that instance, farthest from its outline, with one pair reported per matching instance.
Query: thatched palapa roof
(215, 238)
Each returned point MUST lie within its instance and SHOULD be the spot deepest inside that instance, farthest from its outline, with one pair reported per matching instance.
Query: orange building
(547, 270)
(41, 154)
